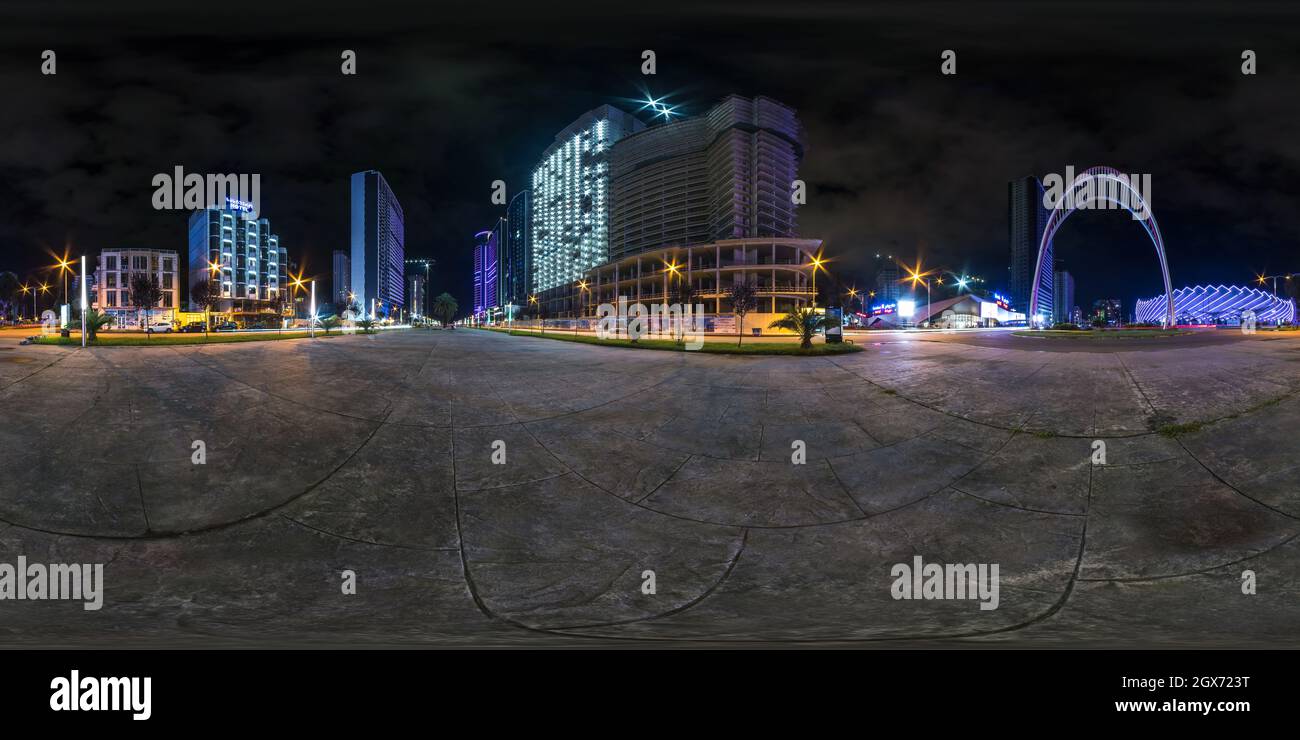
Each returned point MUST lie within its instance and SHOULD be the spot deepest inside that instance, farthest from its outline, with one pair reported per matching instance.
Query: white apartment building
(114, 272)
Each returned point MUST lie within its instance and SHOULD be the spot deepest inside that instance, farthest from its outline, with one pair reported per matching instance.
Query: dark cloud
(900, 159)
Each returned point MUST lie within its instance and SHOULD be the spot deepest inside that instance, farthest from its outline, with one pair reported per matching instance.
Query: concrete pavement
(375, 454)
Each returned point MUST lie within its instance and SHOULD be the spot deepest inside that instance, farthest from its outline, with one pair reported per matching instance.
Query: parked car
(192, 327)
(227, 326)
(159, 327)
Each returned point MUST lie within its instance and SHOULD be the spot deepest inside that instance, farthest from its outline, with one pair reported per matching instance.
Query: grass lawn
(719, 348)
(1100, 334)
(168, 340)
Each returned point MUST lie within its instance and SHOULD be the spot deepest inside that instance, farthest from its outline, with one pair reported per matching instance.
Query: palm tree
(9, 291)
(366, 324)
(445, 308)
(744, 298)
(330, 322)
(805, 322)
(96, 321)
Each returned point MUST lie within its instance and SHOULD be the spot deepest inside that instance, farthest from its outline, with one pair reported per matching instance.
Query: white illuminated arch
(1102, 185)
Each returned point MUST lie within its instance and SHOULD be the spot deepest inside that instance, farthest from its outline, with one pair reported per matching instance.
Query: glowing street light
(64, 266)
(537, 309)
(1262, 278)
(582, 289)
(816, 263)
(915, 275)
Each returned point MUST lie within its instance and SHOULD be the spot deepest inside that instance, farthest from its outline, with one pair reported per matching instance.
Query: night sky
(900, 159)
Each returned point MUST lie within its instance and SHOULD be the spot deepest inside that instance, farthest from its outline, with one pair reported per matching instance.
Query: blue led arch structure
(1212, 304)
(1098, 185)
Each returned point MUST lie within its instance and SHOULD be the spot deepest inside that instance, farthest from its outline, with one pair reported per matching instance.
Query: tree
(10, 288)
(145, 294)
(96, 321)
(367, 324)
(805, 322)
(744, 298)
(445, 308)
(280, 304)
(330, 322)
(203, 294)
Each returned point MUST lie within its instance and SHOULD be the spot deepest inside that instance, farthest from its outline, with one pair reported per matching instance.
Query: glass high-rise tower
(485, 271)
(1026, 220)
(378, 245)
(570, 198)
(516, 253)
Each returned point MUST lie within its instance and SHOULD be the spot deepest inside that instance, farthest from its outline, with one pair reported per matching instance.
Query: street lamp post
(312, 320)
(83, 300)
(582, 294)
(916, 276)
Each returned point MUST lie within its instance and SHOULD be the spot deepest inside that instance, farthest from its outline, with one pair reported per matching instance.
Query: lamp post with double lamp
(1262, 278)
(1285, 276)
(915, 275)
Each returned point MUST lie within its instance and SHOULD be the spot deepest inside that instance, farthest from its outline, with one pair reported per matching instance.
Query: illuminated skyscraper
(1063, 296)
(516, 252)
(418, 272)
(570, 198)
(238, 254)
(1026, 219)
(485, 271)
(342, 277)
(378, 244)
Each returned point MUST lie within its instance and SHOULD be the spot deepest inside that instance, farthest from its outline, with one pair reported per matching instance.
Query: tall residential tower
(378, 245)
(570, 197)
(725, 174)
(1026, 220)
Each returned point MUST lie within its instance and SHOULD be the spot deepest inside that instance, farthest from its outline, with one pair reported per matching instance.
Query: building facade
(1062, 296)
(570, 198)
(239, 255)
(1026, 219)
(342, 277)
(114, 270)
(418, 273)
(378, 245)
(515, 266)
(779, 268)
(1109, 311)
(726, 174)
(888, 287)
(1218, 305)
(485, 272)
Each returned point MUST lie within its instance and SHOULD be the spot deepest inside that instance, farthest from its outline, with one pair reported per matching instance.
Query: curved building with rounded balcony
(780, 269)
